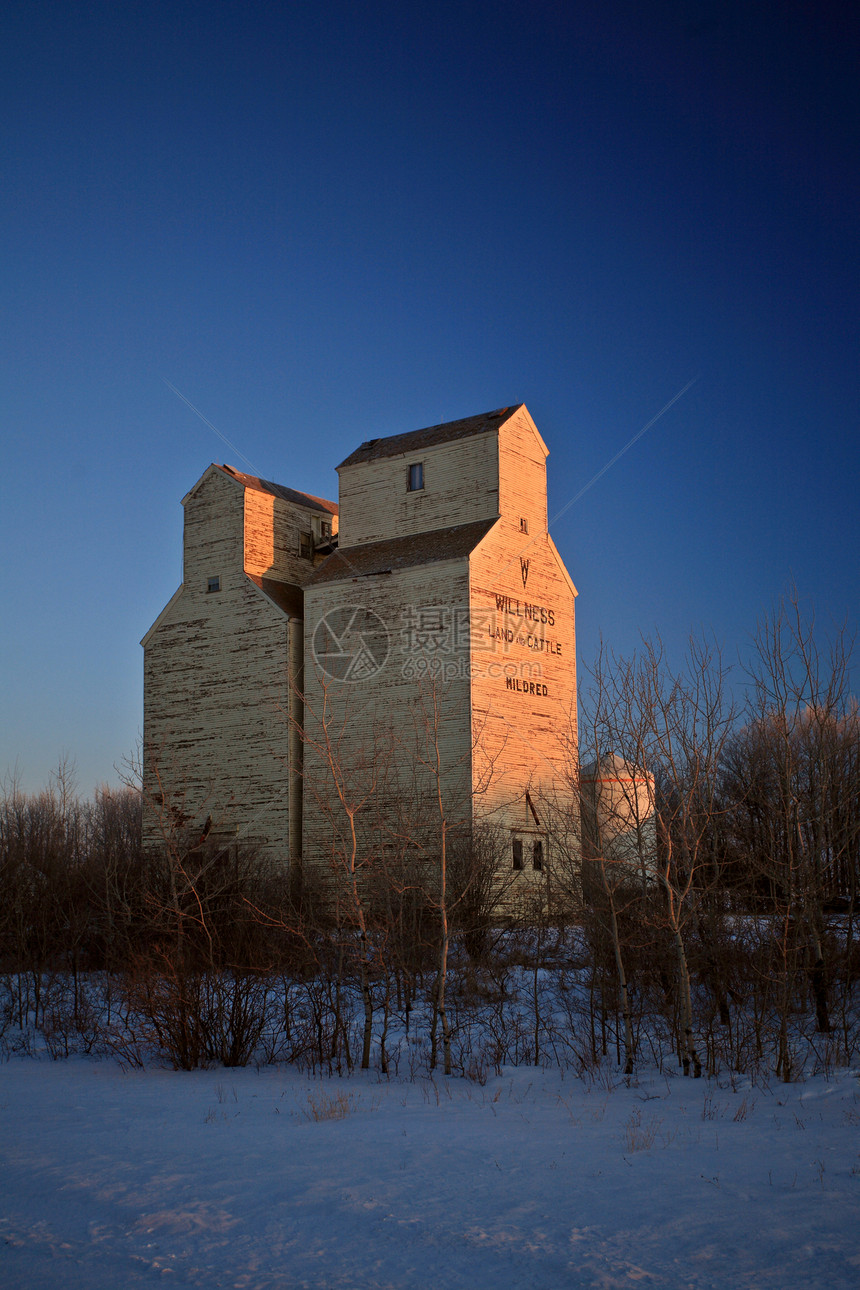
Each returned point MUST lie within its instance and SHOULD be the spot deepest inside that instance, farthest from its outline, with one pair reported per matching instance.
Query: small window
(213, 584)
(524, 526)
(416, 477)
(518, 853)
(537, 855)
(306, 546)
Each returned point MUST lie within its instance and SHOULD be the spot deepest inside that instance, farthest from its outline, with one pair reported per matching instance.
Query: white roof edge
(523, 410)
(561, 565)
(207, 472)
(553, 549)
(171, 602)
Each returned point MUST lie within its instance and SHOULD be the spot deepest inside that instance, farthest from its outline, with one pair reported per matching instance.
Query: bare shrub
(640, 1135)
(196, 1018)
(324, 1106)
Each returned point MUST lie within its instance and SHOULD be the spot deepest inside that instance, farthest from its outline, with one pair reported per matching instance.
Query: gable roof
(395, 554)
(280, 490)
(285, 595)
(416, 440)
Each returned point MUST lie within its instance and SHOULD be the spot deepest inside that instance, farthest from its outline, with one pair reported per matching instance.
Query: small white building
(619, 821)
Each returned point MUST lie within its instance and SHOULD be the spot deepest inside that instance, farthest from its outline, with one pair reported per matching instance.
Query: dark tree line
(730, 879)
(708, 906)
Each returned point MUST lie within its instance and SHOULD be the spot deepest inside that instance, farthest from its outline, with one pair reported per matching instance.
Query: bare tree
(672, 725)
(794, 780)
(348, 781)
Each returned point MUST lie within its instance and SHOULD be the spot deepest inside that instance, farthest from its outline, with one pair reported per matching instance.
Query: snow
(537, 1178)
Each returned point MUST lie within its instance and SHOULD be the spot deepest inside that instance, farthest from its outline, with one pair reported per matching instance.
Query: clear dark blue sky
(327, 222)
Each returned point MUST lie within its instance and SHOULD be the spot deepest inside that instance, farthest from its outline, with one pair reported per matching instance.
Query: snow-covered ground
(536, 1179)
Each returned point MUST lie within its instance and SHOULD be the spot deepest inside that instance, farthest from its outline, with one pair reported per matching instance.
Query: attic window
(213, 584)
(416, 477)
(306, 546)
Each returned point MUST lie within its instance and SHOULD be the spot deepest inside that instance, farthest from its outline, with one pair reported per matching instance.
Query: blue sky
(324, 223)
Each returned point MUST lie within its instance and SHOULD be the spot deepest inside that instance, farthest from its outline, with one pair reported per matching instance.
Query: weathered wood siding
(498, 672)
(522, 473)
(461, 484)
(524, 670)
(272, 533)
(379, 738)
(216, 690)
(476, 696)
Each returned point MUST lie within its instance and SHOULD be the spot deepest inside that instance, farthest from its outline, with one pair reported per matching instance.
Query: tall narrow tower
(440, 679)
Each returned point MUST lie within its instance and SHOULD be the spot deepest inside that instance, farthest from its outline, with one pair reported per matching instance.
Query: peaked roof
(285, 595)
(400, 553)
(395, 444)
(280, 490)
